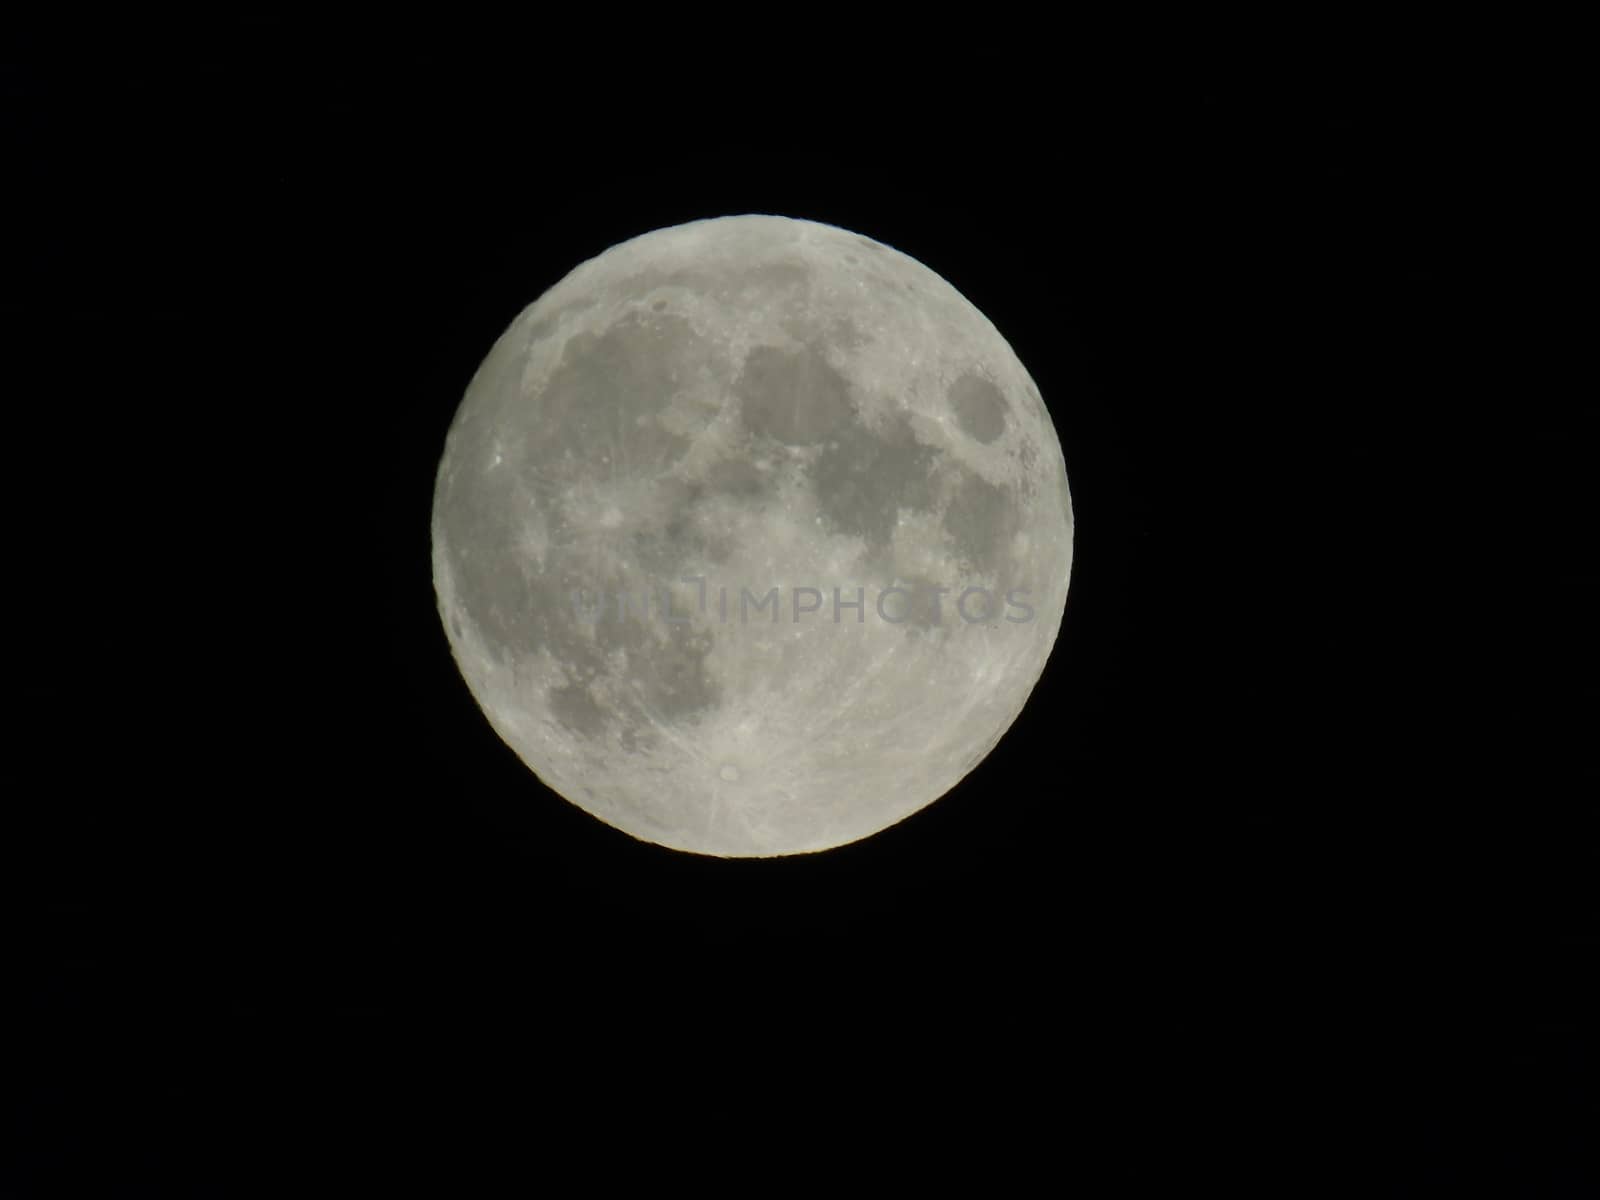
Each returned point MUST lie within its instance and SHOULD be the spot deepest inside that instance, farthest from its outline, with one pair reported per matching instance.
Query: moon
(751, 536)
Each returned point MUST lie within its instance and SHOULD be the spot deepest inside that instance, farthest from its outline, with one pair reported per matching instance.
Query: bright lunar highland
(751, 536)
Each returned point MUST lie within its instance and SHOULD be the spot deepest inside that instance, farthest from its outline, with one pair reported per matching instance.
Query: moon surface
(751, 536)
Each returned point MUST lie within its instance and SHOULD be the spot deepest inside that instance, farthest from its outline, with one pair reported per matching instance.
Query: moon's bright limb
(751, 536)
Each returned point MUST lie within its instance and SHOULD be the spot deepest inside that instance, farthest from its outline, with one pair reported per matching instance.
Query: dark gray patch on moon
(575, 708)
(669, 676)
(663, 665)
(863, 479)
(666, 535)
(979, 407)
(980, 520)
(737, 477)
(518, 618)
(662, 548)
(604, 395)
(673, 676)
(793, 396)
(843, 333)
(919, 607)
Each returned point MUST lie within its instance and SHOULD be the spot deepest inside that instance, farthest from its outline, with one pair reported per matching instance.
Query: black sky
(1282, 870)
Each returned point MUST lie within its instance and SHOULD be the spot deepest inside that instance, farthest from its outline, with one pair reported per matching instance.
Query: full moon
(751, 536)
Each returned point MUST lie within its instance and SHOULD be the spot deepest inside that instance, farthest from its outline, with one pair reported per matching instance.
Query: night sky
(1283, 872)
